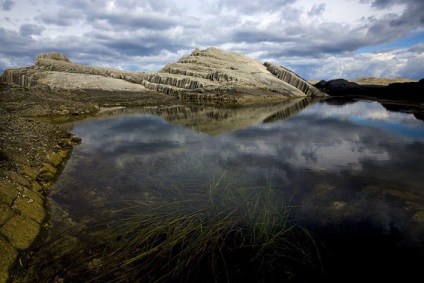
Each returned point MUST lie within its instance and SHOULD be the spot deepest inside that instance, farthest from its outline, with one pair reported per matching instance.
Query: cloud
(317, 10)
(62, 18)
(30, 29)
(8, 5)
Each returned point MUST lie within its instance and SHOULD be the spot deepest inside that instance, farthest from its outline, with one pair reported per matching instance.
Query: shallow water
(351, 171)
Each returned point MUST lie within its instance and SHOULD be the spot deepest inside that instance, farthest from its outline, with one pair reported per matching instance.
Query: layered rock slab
(216, 74)
(209, 74)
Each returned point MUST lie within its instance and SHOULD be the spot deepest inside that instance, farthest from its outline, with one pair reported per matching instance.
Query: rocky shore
(32, 153)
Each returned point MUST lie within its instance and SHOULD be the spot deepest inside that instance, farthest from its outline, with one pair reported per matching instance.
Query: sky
(326, 39)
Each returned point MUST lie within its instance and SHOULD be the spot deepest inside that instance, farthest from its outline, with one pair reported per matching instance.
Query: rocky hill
(210, 74)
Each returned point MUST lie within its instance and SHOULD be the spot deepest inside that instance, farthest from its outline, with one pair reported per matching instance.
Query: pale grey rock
(216, 74)
(53, 56)
(294, 80)
(209, 74)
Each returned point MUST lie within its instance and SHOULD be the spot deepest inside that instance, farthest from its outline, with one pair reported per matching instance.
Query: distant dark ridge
(410, 91)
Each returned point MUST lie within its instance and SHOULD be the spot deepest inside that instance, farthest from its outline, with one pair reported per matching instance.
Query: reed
(220, 232)
(197, 223)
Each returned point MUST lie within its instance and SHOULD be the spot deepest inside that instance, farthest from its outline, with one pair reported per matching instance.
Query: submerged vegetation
(209, 226)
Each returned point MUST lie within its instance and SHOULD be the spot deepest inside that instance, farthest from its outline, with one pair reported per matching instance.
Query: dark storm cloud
(8, 5)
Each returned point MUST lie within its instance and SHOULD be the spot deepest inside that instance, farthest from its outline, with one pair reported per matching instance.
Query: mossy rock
(47, 167)
(20, 231)
(8, 256)
(55, 159)
(47, 174)
(36, 187)
(419, 216)
(35, 196)
(29, 172)
(8, 192)
(5, 213)
(28, 207)
(20, 179)
(63, 153)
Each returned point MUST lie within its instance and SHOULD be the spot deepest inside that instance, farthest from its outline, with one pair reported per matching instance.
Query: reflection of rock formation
(216, 120)
(292, 108)
(393, 106)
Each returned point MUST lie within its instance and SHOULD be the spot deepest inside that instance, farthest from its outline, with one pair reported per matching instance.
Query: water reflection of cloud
(322, 137)
(312, 144)
(142, 133)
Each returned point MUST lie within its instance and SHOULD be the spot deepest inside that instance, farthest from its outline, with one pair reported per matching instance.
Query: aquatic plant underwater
(209, 225)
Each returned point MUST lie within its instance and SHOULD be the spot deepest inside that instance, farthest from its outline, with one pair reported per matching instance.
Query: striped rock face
(209, 74)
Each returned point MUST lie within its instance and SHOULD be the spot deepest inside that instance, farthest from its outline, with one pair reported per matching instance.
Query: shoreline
(25, 180)
(32, 154)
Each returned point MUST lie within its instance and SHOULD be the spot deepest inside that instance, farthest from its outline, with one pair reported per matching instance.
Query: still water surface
(353, 171)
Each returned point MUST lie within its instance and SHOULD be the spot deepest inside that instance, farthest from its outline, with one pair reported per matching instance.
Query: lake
(345, 177)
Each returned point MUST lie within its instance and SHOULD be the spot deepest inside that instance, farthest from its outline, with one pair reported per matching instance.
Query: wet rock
(31, 150)
(26, 206)
(28, 231)
(5, 213)
(419, 217)
(8, 257)
(8, 192)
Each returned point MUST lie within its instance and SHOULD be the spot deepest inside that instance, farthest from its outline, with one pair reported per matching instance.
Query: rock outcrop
(293, 79)
(210, 74)
(216, 74)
